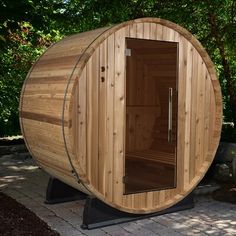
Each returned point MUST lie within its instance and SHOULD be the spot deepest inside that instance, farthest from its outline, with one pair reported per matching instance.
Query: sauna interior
(151, 115)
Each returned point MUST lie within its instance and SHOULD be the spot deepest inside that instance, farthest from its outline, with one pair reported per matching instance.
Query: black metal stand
(98, 214)
(58, 192)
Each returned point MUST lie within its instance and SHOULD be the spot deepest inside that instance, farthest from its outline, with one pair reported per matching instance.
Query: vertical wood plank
(132, 30)
(206, 116)
(102, 118)
(161, 198)
(139, 33)
(153, 31)
(149, 199)
(193, 115)
(187, 115)
(82, 123)
(168, 34)
(159, 35)
(110, 116)
(119, 114)
(75, 121)
(146, 30)
(202, 111)
(181, 112)
(92, 117)
(212, 119)
(199, 109)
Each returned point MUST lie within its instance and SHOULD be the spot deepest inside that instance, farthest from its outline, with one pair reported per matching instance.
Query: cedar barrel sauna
(130, 113)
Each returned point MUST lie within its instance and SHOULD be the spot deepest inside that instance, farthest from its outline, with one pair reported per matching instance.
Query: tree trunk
(227, 72)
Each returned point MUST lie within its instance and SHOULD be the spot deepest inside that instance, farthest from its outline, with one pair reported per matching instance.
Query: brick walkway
(26, 183)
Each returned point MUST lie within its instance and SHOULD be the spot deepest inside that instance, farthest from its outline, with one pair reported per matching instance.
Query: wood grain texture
(73, 112)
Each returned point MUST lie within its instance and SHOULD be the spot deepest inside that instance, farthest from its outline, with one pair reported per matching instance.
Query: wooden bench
(152, 155)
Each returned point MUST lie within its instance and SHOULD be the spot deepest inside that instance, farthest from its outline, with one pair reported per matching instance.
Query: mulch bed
(16, 220)
(226, 193)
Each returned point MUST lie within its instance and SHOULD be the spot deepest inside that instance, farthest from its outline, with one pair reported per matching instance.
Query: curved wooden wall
(74, 124)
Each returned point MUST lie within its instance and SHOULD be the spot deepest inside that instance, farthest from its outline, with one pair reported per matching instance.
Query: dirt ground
(16, 220)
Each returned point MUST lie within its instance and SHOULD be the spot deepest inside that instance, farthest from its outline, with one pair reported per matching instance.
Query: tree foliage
(28, 27)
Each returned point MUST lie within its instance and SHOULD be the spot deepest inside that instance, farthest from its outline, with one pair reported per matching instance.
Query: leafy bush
(25, 45)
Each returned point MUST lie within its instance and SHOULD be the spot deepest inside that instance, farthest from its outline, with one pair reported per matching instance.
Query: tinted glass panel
(151, 115)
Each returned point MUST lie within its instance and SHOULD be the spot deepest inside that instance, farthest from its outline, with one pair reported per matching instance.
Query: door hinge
(125, 179)
(128, 52)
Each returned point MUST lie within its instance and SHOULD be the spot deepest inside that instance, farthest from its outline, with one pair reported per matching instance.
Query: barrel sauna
(130, 113)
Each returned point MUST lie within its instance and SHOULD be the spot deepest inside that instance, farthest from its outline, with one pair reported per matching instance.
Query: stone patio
(24, 181)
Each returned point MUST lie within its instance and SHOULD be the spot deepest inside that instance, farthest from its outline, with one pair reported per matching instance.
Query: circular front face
(127, 119)
(140, 116)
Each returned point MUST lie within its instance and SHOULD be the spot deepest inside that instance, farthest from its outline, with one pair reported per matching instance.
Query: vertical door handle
(170, 115)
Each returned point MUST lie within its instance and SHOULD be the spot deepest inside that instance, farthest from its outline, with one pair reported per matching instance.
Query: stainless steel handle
(170, 116)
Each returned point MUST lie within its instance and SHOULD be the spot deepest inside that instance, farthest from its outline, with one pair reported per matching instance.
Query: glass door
(151, 115)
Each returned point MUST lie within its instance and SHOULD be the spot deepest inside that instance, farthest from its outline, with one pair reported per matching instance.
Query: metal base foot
(58, 192)
(98, 214)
